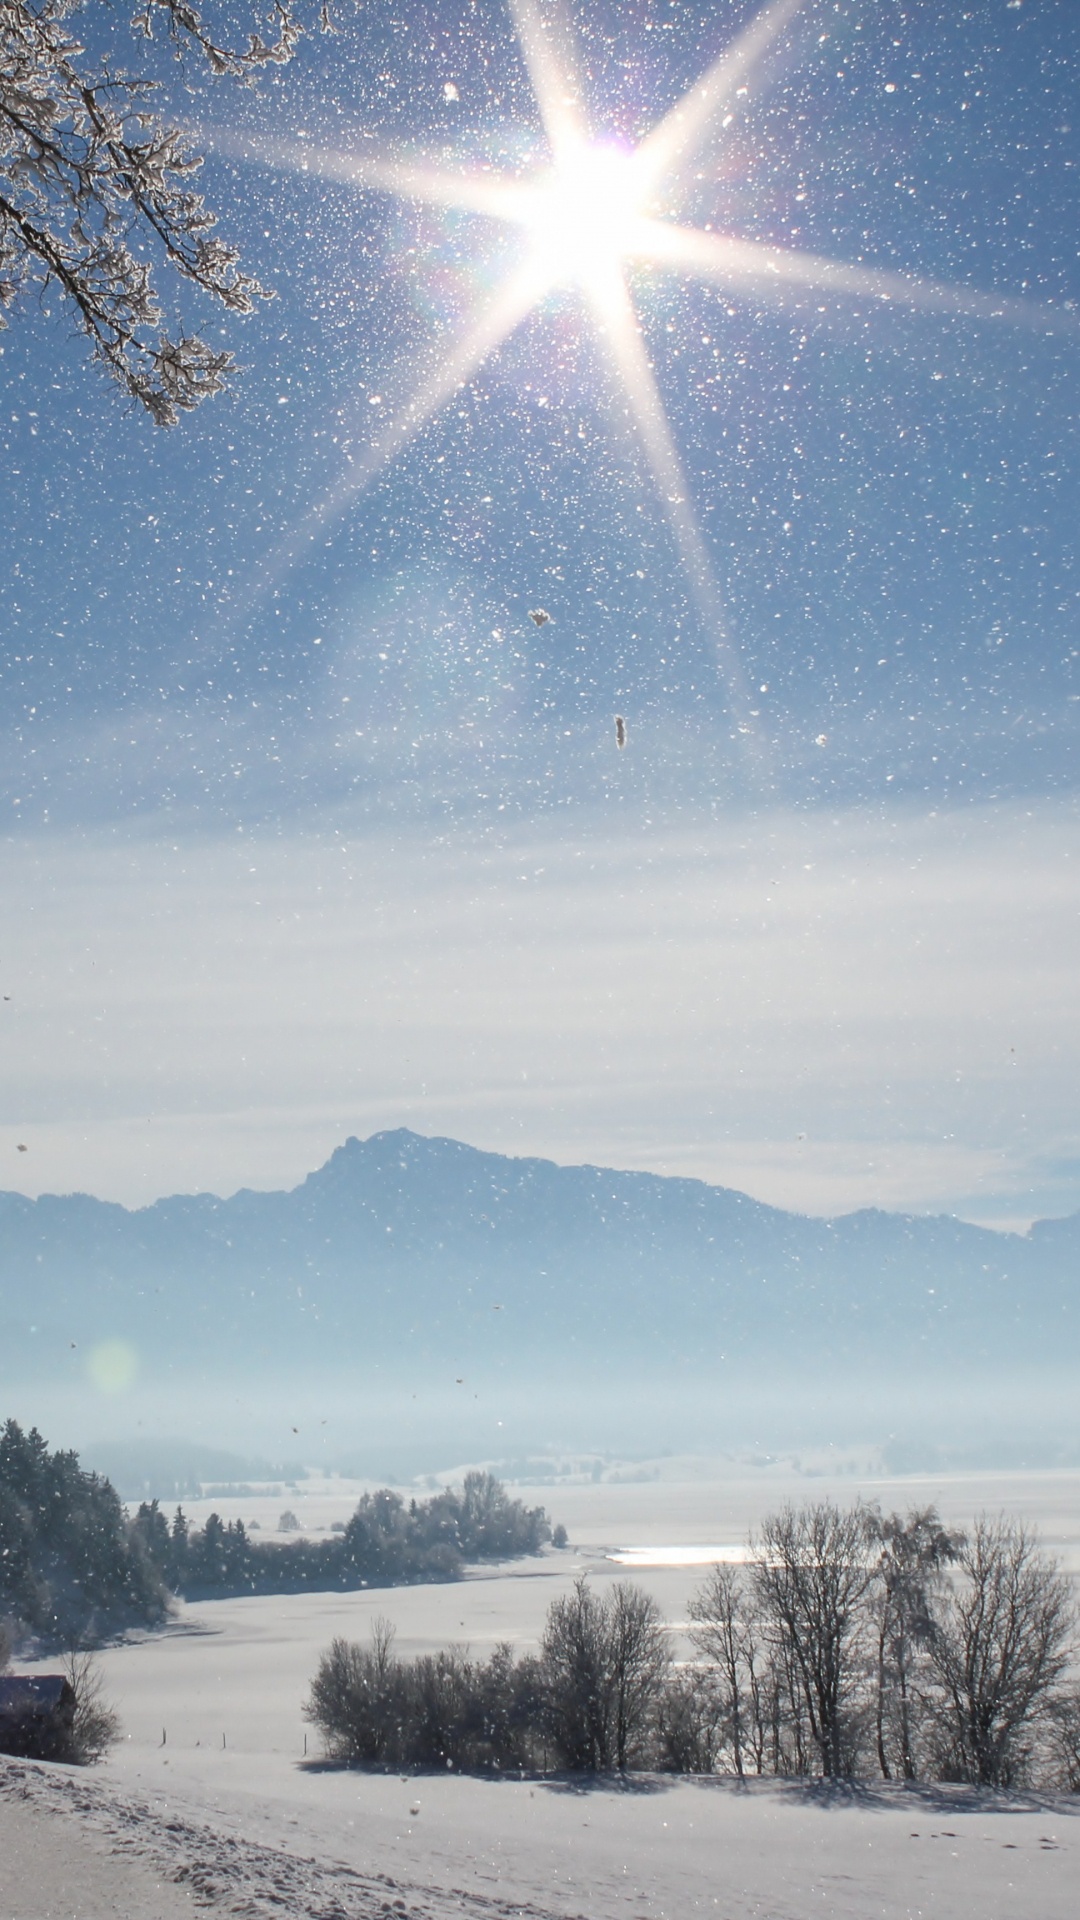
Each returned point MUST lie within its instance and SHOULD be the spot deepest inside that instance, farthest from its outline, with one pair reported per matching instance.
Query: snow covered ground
(264, 1839)
(211, 1780)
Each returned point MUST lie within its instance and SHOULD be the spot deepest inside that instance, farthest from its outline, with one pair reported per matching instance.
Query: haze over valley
(416, 1303)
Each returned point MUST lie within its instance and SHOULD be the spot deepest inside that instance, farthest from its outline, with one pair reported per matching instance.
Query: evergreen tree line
(76, 1570)
(388, 1542)
(849, 1645)
(71, 1568)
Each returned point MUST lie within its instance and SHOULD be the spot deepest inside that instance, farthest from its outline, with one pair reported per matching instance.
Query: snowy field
(211, 1780)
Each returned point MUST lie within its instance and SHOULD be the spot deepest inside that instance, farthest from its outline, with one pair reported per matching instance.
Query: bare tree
(572, 1659)
(1002, 1644)
(638, 1658)
(761, 1721)
(811, 1572)
(603, 1664)
(1063, 1742)
(356, 1698)
(6, 1644)
(723, 1631)
(440, 1709)
(691, 1721)
(913, 1552)
(92, 178)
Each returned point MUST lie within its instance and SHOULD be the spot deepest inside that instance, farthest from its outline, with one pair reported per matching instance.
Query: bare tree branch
(90, 174)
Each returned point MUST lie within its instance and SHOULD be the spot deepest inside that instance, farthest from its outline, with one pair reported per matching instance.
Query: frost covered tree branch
(91, 178)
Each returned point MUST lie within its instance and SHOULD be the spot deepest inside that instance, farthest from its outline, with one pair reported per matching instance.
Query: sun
(584, 219)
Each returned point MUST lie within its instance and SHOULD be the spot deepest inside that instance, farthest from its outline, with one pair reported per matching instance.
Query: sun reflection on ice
(732, 1555)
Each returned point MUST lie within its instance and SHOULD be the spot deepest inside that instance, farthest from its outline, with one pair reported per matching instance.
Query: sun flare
(587, 221)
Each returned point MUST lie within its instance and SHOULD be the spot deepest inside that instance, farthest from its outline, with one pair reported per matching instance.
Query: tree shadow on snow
(926, 1796)
(563, 1783)
(586, 1783)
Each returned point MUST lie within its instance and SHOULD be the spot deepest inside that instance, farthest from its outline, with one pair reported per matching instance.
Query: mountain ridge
(341, 1156)
(404, 1247)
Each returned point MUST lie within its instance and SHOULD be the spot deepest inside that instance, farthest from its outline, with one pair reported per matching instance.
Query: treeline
(850, 1645)
(71, 1567)
(388, 1542)
(76, 1570)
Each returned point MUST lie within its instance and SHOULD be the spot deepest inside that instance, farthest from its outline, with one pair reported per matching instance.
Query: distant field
(709, 1511)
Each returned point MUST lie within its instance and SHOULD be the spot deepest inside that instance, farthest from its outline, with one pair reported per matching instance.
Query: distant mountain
(404, 1252)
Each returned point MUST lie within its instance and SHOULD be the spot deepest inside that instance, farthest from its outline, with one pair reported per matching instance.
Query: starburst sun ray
(513, 300)
(620, 334)
(774, 272)
(691, 119)
(550, 53)
(379, 170)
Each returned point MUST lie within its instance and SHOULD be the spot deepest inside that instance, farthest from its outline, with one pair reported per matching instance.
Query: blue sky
(830, 959)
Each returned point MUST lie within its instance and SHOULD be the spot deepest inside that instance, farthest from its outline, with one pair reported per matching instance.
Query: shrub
(441, 1710)
(95, 1727)
(357, 1700)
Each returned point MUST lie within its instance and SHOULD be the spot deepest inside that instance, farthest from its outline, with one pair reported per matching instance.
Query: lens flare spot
(112, 1365)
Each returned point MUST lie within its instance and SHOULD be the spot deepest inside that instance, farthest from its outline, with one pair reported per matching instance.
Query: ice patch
(731, 1555)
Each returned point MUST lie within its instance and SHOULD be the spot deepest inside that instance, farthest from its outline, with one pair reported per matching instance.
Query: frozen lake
(708, 1515)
